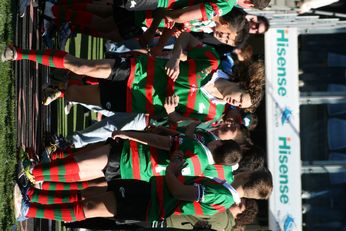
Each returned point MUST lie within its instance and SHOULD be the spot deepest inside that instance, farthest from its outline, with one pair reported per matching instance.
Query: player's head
(249, 211)
(251, 77)
(258, 184)
(258, 24)
(253, 159)
(226, 152)
(227, 130)
(232, 28)
(257, 4)
(234, 94)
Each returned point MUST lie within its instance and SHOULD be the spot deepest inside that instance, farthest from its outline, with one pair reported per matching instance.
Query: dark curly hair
(260, 4)
(253, 159)
(261, 181)
(265, 21)
(249, 214)
(251, 76)
(237, 22)
(228, 152)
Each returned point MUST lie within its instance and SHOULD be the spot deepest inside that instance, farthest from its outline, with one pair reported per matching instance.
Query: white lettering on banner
(282, 43)
(284, 151)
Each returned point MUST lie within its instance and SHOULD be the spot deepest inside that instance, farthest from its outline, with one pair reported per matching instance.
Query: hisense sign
(282, 110)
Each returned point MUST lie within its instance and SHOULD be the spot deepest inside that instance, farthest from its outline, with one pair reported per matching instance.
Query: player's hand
(120, 135)
(169, 21)
(172, 68)
(177, 163)
(177, 32)
(171, 102)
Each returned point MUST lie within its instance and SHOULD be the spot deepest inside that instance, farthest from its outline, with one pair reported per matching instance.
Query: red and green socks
(62, 186)
(61, 170)
(49, 57)
(60, 154)
(53, 197)
(60, 212)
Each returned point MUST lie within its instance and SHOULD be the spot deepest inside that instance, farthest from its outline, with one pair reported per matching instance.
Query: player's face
(224, 34)
(227, 130)
(256, 27)
(237, 209)
(235, 96)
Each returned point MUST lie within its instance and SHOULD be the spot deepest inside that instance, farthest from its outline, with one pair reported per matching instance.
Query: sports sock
(60, 212)
(60, 154)
(59, 178)
(53, 197)
(49, 57)
(61, 186)
(57, 170)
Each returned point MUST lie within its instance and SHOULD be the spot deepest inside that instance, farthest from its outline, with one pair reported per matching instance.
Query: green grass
(7, 123)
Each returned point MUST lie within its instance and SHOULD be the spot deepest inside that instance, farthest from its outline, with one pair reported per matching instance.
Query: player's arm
(171, 102)
(186, 14)
(151, 139)
(185, 42)
(179, 190)
(148, 35)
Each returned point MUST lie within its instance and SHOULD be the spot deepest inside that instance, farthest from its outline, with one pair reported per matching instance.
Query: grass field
(81, 46)
(7, 122)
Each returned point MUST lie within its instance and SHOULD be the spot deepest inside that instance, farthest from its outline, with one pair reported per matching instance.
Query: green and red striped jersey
(209, 8)
(139, 161)
(223, 172)
(213, 196)
(149, 85)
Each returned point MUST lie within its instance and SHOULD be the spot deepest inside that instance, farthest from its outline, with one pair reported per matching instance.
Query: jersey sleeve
(212, 198)
(210, 9)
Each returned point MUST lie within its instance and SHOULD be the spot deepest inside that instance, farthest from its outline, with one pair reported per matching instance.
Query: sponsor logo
(288, 223)
(286, 115)
(284, 154)
(108, 105)
(122, 191)
(133, 4)
(282, 44)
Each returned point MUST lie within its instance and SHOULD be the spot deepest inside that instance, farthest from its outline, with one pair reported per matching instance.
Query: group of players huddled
(179, 88)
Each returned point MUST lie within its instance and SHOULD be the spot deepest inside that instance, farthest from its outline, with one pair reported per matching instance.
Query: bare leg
(87, 94)
(94, 68)
(91, 163)
(100, 182)
(104, 205)
(92, 192)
